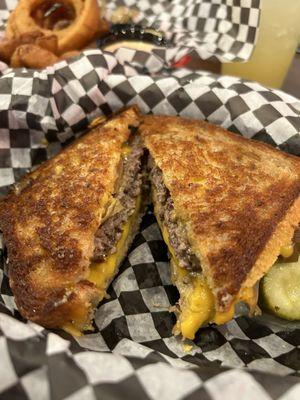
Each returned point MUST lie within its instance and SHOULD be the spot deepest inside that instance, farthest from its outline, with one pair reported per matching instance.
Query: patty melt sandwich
(227, 207)
(68, 225)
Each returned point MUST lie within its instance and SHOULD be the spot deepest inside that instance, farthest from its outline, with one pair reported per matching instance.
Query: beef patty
(109, 233)
(177, 233)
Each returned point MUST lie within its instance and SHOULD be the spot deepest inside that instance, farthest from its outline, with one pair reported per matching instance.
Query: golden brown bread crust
(232, 193)
(50, 219)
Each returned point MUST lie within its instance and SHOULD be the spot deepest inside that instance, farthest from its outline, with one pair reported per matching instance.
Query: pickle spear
(280, 290)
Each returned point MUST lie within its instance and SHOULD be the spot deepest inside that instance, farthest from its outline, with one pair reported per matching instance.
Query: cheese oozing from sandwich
(102, 271)
(197, 304)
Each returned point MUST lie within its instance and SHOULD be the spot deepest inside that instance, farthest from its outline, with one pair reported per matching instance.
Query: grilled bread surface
(50, 219)
(238, 198)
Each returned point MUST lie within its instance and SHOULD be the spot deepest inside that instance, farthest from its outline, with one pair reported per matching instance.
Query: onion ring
(81, 30)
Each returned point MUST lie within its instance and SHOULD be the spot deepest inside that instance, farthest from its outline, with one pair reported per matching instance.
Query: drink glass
(278, 39)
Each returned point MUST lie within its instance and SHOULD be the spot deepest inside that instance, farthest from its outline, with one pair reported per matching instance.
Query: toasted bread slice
(237, 199)
(49, 222)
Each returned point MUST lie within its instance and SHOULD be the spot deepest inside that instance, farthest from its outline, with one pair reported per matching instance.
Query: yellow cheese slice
(287, 251)
(72, 329)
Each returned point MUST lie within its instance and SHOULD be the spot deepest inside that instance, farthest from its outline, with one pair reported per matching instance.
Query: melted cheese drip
(72, 329)
(287, 251)
(101, 274)
(126, 150)
(197, 302)
(79, 321)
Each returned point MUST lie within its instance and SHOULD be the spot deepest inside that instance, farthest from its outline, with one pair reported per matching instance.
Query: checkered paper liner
(225, 30)
(132, 352)
(58, 103)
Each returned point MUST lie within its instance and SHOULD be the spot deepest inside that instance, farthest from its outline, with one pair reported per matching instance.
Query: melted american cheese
(197, 302)
(287, 251)
(101, 274)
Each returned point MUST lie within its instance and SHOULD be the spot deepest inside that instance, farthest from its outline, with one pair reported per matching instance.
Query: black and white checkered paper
(132, 354)
(222, 29)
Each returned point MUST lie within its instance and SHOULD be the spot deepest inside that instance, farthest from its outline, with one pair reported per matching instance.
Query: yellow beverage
(277, 41)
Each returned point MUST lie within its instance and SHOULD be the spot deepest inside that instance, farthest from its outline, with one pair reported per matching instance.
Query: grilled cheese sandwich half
(68, 225)
(197, 303)
(227, 208)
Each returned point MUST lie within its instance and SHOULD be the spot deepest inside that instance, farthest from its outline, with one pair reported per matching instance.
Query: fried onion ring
(84, 20)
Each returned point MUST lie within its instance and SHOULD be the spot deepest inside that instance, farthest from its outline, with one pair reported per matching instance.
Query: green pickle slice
(280, 290)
